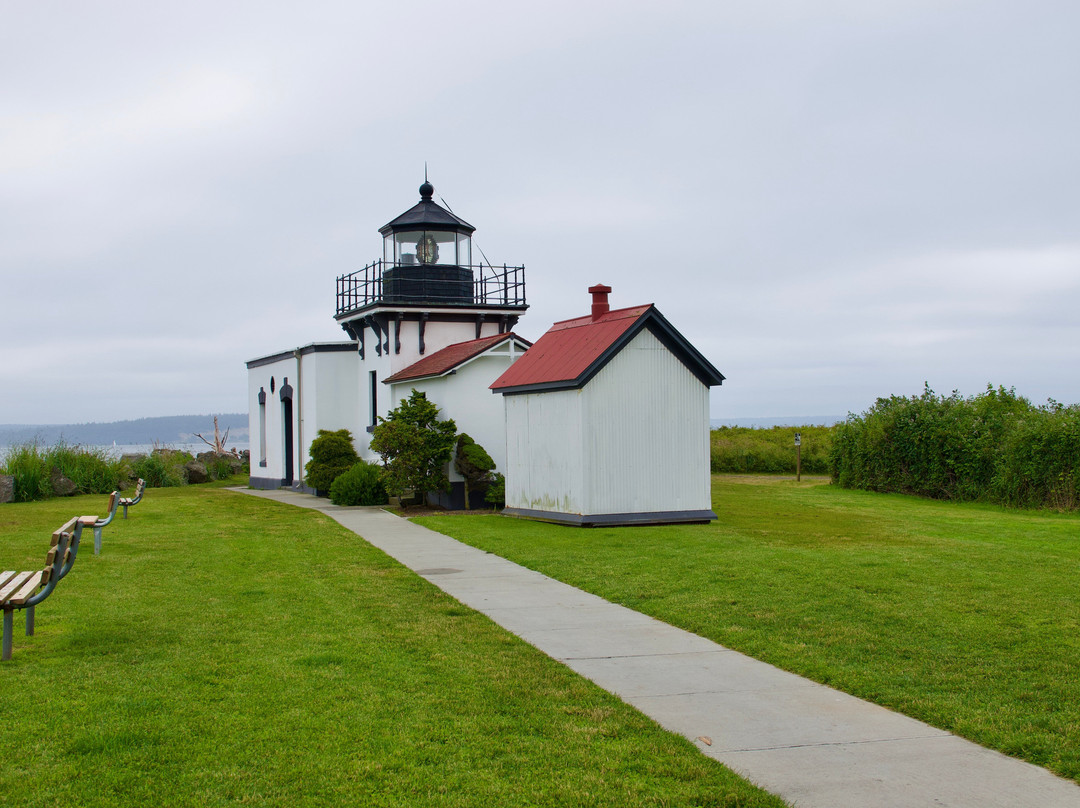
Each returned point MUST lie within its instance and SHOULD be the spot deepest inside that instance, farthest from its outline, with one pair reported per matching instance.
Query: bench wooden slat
(16, 580)
(28, 588)
(6, 576)
(88, 521)
(69, 527)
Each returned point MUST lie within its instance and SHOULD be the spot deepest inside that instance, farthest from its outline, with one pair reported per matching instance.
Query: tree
(473, 463)
(332, 453)
(415, 446)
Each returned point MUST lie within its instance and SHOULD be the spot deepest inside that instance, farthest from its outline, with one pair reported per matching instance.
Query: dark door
(286, 417)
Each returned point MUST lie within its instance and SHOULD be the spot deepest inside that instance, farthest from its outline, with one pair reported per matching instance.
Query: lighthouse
(426, 315)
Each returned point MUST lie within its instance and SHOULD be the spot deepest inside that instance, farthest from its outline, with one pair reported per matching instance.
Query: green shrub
(415, 446)
(994, 447)
(162, 468)
(1039, 462)
(496, 492)
(360, 485)
(332, 453)
(473, 463)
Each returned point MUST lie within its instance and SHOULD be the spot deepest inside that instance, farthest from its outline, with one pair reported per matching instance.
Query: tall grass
(92, 470)
(744, 450)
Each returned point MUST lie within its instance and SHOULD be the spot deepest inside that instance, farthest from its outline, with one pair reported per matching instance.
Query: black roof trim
(315, 347)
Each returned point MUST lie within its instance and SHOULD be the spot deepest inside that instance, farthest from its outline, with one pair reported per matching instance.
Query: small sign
(798, 439)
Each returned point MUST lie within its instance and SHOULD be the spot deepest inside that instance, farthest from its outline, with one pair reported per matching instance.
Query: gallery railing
(432, 284)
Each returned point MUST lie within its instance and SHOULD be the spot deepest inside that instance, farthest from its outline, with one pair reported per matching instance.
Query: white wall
(328, 397)
(437, 335)
(259, 377)
(646, 428)
(545, 468)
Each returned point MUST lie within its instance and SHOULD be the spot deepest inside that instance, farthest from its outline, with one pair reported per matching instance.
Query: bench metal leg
(97, 541)
(7, 634)
(125, 511)
(29, 621)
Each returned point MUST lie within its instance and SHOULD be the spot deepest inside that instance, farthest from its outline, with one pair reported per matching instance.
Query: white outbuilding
(607, 422)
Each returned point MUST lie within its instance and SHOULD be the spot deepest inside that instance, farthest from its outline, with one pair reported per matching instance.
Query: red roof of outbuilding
(573, 351)
(448, 358)
(569, 349)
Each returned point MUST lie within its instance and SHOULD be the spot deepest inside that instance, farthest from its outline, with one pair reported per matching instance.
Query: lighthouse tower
(426, 315)
(426, 292)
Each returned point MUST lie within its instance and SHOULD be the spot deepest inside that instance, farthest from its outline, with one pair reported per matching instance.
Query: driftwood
(218, 444)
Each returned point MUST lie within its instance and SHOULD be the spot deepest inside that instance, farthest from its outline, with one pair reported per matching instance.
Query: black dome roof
(427, 215)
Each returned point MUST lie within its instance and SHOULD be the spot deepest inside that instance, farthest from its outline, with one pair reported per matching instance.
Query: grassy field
(225, 649)
(966, 616)
(747, 450)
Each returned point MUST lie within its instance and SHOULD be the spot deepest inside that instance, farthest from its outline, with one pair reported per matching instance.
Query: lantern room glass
(438, 247)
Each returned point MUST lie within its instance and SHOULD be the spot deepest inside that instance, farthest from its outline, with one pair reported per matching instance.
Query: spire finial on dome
(427, 189)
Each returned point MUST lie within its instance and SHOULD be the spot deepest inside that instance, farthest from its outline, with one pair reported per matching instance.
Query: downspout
(299, 395)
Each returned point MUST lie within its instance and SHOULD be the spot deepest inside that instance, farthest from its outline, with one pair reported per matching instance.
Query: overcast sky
(832, 200)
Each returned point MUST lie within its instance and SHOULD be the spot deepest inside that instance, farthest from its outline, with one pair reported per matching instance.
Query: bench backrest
(29, 589)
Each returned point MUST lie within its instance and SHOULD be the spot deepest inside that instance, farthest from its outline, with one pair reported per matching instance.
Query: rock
(235, 464)
(7, 488)
(61, 485)
(131, 459)
(196, 472)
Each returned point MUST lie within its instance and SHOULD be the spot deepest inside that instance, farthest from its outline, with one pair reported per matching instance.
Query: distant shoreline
(169, 430)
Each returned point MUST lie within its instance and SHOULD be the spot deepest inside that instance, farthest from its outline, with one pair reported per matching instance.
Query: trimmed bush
(474, 464)
(360, 485)
(332, 453)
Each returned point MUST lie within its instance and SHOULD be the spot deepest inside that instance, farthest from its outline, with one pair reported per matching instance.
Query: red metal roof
(450, 357)
(569, 348)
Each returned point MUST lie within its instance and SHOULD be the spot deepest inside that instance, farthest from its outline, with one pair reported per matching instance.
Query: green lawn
(965, 616)
(226, 649)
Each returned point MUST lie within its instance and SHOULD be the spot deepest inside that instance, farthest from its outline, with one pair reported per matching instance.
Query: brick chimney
(600, 305)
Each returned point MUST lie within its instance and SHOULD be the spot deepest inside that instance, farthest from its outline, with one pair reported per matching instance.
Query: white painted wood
(545, 468)
(646, 427)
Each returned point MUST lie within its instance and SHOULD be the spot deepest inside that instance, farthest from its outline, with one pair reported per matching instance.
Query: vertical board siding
(545, 469)
(646, 429)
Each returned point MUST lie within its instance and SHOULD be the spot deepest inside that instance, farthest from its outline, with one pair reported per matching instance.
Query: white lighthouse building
(423, 316)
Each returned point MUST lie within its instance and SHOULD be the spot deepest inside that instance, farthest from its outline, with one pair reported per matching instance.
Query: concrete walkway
(814, 746)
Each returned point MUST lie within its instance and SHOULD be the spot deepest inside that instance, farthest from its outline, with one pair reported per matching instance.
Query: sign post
(798, 457)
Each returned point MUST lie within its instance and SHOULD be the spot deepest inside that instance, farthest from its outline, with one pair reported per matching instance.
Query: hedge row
(993, 447)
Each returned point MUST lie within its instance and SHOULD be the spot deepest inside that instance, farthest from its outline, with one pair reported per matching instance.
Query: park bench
(25, 590)
(127, 502)
(98, 524)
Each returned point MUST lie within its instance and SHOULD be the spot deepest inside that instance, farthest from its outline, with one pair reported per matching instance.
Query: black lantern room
(427, 254)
